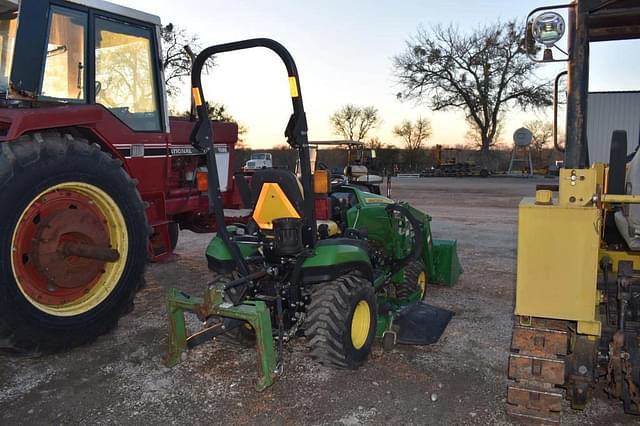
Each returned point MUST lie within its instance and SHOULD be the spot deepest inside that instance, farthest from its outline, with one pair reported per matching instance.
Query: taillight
(202, 181)
(322, 208)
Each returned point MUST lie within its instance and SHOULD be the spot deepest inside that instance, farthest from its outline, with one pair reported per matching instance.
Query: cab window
(64, 67)
(125, 77)
(8, 28)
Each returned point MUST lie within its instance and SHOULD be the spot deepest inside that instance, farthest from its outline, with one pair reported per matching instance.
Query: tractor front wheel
(341, 321)
(73, 243)
(415, 279)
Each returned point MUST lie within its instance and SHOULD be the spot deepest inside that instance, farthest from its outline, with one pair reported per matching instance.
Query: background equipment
(449, 164)
(577, 307)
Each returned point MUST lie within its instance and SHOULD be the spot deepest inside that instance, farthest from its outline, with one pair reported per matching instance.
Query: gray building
(609, 111)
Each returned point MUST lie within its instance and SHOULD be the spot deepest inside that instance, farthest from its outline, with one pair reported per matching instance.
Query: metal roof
(119, 10)
(613, 19)
(609, 111)
(116, 9)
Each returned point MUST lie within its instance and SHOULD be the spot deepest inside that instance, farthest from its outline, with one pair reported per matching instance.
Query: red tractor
(95, 178)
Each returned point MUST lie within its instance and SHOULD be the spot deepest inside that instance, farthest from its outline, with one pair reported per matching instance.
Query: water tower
(521, 153)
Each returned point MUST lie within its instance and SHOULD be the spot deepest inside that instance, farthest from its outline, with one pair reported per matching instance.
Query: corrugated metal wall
(609, 111)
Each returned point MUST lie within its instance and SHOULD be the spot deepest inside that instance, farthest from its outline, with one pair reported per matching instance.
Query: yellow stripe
(293, 87)
(197, 99)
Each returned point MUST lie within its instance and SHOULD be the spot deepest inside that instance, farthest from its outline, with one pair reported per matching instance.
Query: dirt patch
(120, 379)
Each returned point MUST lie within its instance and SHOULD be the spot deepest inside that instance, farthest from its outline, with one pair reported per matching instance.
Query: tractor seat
(627, 219)
(277, 193)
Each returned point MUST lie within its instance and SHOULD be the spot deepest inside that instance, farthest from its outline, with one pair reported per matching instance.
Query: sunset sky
(344, 52)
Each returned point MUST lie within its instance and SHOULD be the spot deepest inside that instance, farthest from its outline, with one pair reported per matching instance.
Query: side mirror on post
(545, 29)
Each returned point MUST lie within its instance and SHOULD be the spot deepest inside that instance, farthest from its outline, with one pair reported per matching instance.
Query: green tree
(483, 73)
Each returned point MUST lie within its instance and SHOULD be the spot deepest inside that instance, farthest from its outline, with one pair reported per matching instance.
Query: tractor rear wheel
(341, 321)
(415, 279)
(174, 234)
(73, 243)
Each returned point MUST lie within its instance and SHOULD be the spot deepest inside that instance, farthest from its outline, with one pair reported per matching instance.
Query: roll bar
(295, 132)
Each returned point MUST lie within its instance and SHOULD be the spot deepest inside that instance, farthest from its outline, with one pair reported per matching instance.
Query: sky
(344, 52)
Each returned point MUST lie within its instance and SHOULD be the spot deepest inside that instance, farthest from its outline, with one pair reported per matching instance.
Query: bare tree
(413, 134)
(373, 142)
(474, 135)
(542, 132)
(484, 73)
(354, 122)
(176, 62)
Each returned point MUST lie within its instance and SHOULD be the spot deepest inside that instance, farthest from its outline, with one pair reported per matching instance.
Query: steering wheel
(337, 181)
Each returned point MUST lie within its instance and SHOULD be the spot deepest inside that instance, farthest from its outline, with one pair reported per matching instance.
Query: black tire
(174, 234)
(243, 335)
(329, 321)
(30, 166)
(410, 284)
(388, 342)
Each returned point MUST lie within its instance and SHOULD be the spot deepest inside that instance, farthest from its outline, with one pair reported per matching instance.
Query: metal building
(609, 111)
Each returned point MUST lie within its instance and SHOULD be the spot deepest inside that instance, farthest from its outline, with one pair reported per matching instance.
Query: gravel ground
(120, 379)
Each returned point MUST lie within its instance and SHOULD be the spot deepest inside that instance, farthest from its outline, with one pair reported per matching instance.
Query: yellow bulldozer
(577, 309)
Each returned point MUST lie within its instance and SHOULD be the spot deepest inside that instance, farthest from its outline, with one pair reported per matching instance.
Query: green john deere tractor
(319, 257)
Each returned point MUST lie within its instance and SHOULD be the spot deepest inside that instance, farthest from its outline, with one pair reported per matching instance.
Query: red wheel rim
(69, 249)
(45, 273)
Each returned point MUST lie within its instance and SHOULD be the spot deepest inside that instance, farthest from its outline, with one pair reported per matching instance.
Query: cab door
(126, 79)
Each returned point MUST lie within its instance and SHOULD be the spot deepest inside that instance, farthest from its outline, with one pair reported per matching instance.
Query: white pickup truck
(259, 160)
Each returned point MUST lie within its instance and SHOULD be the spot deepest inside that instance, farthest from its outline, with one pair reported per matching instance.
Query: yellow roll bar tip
(293, 86)
(197, 99)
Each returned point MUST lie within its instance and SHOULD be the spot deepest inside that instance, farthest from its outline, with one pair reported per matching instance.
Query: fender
(219, 257)
(335, 258)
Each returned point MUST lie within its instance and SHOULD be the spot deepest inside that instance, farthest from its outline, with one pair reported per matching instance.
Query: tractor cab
(81, 52)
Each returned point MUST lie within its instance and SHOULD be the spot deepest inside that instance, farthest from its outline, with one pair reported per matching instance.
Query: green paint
(255, 312)
(446, 263)
(336, 254)
(218, 249)
(387, 233)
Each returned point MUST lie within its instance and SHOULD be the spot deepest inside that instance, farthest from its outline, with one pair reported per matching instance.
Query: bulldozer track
(537, 368)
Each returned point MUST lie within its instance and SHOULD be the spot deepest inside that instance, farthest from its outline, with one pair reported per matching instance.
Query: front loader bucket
(422, 324)
(446, 263)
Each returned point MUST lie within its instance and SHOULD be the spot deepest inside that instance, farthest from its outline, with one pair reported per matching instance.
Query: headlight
(548, 28)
